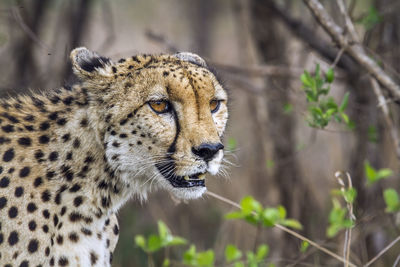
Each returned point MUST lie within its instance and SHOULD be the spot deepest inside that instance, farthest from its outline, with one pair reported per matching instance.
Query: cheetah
(70, 158)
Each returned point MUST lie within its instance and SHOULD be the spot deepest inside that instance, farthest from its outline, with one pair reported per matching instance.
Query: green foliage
(372, 134)
(304, 246)
(374, 175)
(231, 144)
(371, 19)
(253, 212)
(338, 219)
(392, 200)
(233, 256)
(157, 242)
(288, 108)
(349, 194)
(198, 259)
(321, 108)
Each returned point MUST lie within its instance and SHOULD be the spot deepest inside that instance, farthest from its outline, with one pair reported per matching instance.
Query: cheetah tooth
(202, 176)
(186, 178)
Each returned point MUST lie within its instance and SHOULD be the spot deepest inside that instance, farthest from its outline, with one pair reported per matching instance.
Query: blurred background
(259, 49)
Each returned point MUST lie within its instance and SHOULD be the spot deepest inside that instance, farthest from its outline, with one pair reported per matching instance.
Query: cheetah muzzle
(70, 158)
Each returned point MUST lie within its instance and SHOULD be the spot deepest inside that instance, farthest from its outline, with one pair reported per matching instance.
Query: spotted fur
(71, 158)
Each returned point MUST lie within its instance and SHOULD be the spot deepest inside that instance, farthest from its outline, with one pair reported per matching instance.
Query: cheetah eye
(214, 105)
(160, 106)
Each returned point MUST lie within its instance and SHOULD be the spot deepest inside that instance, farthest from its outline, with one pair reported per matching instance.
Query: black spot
(11, 170)
(55, 99)
(29, 118)
(78, 201)
(53, 156)
(63, 261)
(73, 236)
(46, 195)
(84, 122)
(53, 116)
(24, 141)
(4, 140)
(86, 231)
(75, 188)
(39, 154)
(114, 69)
(93, 258)
(115, 229)
(29, 127)
(165, 73)
(13, 212)
(76, 143)
(38, 181)
(4, 182)
(24, 172)
(44, 126)
(31, 207)
(69, 156)
(123, 135)
(13, 238)
(8, 155)
(44, 139)
(33, 246)
(32, 225)
(46, 214)
(68, 100)
(8, 128)
(124, 121)
(113, 132)
(52, 261)
(60, 239)
(45, 228)
(19, 191)
(50, 174)
(55, 219)
(75, 216)
(134, 132)
(24, 264)
(61, 121)
(3, 202)
(1, 169)
(139, 142)
(115, 144)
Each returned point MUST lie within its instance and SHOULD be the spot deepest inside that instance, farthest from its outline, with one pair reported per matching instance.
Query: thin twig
(355, 50)
(349, 24)
(283, 228)
(382, 251)
(382, 103)
(397, 261)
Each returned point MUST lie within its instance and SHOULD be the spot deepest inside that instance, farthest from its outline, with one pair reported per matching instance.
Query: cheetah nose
(207, 151)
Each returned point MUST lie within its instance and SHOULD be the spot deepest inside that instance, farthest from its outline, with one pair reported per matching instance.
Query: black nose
(207, 151)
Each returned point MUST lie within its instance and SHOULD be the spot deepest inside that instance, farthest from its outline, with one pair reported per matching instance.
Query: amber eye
(214, 105)
(159, 106)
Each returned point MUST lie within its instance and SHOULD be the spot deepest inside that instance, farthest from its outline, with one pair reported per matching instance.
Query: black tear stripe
(172, 147)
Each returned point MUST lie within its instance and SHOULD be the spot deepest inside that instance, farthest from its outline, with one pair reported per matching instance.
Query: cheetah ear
(88, 64)
(192, 58)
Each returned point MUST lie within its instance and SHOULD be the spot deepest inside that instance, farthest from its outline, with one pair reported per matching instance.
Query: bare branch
(383, 251)
(355, 50)
(382, 103)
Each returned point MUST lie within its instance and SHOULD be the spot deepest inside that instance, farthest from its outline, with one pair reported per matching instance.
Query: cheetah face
(165, 118)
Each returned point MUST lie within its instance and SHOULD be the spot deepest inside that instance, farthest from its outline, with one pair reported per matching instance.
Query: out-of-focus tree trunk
(294, 193)
(32, 14)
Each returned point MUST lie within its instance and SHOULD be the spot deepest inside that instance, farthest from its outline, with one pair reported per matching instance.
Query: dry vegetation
(260, 49)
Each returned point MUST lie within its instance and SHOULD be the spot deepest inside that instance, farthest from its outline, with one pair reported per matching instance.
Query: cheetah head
(161, 118)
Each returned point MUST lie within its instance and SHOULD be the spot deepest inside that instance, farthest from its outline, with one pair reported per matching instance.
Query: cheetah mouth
(177, 181)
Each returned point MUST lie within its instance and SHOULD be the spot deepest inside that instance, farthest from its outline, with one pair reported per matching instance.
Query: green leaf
(350, 195)
(176, 241)
(304, 246)
(270, 217)
(384, 173)
(344, 103)
(282, 212)
(163, 230)
(392, 200)
(292, 223)
(189, 255)
(238, 264)
(249, 204)
(329, 75)
(140, 241)
(371, 19)
(235, 215)
(262, 252)
(166, 263)
(154, 243)
(206, 258)
(232, 253)
(370, 173)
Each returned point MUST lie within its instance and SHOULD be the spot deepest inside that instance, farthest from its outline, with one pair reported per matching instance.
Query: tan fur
(80, 153)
